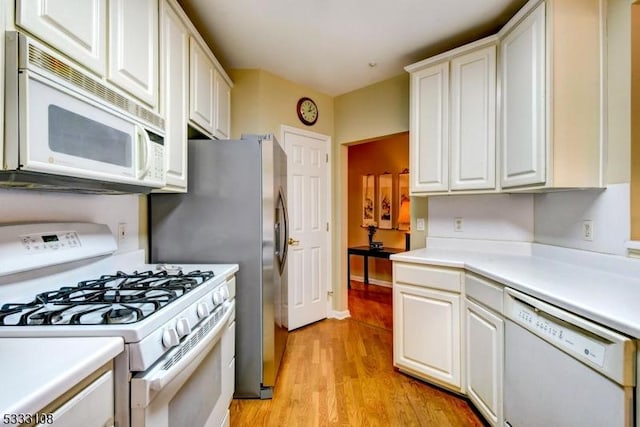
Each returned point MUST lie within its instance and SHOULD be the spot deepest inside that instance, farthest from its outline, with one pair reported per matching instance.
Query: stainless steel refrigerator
(235, 211)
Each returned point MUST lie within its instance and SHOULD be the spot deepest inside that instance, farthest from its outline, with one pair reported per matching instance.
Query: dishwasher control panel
(563, 335)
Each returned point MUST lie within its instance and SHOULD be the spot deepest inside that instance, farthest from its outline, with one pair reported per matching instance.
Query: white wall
(548, 218)
(33, 206)
(559, 218)
(504, 217)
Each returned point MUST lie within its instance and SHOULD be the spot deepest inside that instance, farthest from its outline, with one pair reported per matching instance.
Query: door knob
(293, 242)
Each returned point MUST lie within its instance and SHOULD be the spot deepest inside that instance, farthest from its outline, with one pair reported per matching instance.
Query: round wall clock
(307, 111)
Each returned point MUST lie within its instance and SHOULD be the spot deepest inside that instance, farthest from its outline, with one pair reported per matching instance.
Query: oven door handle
(145, 387)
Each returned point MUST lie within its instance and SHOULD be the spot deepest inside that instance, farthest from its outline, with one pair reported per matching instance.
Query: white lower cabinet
(448, 330)
(427, 323)
(484, 345)
(90, 405)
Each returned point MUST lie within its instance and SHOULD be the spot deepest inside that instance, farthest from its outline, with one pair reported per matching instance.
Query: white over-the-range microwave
(65, 129)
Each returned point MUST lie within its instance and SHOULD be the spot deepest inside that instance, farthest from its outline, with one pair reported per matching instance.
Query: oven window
(79, 136)
(194, 402)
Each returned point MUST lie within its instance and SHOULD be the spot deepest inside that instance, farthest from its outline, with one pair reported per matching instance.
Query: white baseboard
(372, 281)
(340, 315)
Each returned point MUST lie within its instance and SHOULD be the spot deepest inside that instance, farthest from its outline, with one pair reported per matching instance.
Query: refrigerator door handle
(282, 247)
(276, 229)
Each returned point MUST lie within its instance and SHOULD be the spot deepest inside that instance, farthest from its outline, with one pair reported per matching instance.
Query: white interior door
(307, 191)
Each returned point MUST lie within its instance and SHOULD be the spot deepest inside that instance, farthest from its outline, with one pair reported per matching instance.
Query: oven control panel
(38, 243)
(560, 333)
(26, 247)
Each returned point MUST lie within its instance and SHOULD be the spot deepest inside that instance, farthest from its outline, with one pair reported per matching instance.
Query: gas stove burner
(170, 268)
(111, 299)
(120, 315)
(45, 316)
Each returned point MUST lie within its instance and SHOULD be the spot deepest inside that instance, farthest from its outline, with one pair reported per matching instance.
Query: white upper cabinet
(552, 93)
(82, 29)
(133, 47)
(473, 118)
(429, 154)
(222, 92)
(194, 91)
(76, 28)
(453, 113)
(174, 96)
(202, 88)
(523, 96)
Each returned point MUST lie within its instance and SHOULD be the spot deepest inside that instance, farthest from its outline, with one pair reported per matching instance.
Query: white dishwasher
(563, 370)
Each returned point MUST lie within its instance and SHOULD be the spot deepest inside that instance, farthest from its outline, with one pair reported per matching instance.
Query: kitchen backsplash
(507, 217)
(559, 219)
(34, 206)
(549, 218)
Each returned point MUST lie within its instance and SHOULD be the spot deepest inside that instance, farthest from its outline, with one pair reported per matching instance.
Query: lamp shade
(404, 216)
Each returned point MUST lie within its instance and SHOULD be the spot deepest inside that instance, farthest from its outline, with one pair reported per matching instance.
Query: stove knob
(202, 310)
(182, 327)
(225, 292)
(170, 338)
(217, 298)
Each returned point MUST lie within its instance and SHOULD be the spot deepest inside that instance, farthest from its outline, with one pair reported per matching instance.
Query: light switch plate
(420, 224)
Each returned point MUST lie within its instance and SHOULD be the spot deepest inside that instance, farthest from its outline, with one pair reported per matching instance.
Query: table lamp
(404, 220)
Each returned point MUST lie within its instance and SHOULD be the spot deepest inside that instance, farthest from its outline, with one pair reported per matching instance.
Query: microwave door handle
(144, 144)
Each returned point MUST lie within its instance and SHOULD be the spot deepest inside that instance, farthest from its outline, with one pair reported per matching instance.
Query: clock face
(307, 111)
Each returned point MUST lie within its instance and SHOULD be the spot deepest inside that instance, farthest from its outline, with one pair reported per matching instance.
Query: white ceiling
(327, 45)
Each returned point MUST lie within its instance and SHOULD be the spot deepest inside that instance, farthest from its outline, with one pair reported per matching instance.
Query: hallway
(340, 373)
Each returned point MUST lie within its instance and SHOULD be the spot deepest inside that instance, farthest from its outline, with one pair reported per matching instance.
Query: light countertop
(35, 371)
(602, 288)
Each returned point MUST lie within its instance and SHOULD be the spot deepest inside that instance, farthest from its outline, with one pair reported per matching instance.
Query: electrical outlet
(420, 224)
(122, 231)
(458, 224)
(587, 229)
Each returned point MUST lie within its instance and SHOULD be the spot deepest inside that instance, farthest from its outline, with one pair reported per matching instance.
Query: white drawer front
(437, 278)
(484, 291)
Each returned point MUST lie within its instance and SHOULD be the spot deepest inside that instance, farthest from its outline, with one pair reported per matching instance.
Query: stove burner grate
(117, 299)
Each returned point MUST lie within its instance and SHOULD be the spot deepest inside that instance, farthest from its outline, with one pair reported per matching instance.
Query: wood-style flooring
(340, 373)
(371, 304)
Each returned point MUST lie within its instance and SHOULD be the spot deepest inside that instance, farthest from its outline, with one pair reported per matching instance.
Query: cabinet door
(133, 47)
(76, 28)
(484, 361)
(426, 333)
(222, 107)
(473, 107)
(92, 406)
(429, 129)
(174, 95)
(202, 88)
(523, 130)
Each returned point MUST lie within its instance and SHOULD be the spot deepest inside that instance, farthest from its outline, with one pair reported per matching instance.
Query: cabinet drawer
(484, 291)
(421, 275)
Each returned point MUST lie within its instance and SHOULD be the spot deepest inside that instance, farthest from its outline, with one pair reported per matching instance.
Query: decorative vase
(372, 232)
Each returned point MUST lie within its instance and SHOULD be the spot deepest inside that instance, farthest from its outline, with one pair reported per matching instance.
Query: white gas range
(177, 321)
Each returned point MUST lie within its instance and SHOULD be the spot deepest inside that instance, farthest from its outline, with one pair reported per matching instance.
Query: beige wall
(635, 124)
(374, 111)
(261, 102)
(619, 90)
